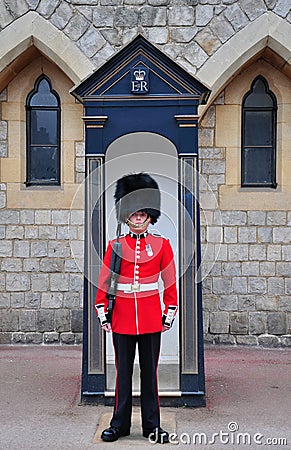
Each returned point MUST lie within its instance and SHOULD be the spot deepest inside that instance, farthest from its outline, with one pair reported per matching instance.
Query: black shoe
(156, 435)
(111, 434)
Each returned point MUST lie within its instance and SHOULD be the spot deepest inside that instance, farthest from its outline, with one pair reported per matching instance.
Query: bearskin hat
(137, 192)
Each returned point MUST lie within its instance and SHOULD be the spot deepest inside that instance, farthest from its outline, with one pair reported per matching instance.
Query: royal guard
(136, 316)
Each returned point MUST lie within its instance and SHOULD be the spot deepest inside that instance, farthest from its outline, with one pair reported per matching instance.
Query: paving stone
(253, 8)
(18, 338)
(4, 300)
(257, 323)
(67, 338)
(236, 17)
(59, 282)
(224, 339)
(219, 322)
(9, 217)
(6, 249)
(153, 17)
(184, 35)
(47, 7)
(5, 338)
(197, 57)
(180, 15)
(221, 28)
(286, 340)
(63, 320)
(39, 249)
(91, 42)
(51, 338)
(17, 300)
(32, 300)
(17, 282)
(267, 340)
(282, 8)
(33, 338)
(45, 321)
(77, 321)
(76, 27)
(238, 322)
(246, 303)
(61, 15)
(228, 302)
(246, 340)
(256, 217)
(28, 321)
(52, 300)
(277, 323)
(11, 265)
(103, 17)
(9, 320)
(39, 282)
(43, 217)
(204, 14)
(125, 17)
(51, 265)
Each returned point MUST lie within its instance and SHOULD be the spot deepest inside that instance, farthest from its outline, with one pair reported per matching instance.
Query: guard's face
(139, 221)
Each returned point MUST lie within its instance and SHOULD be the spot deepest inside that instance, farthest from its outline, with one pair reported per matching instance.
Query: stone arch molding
(269, 30)
(32, 29)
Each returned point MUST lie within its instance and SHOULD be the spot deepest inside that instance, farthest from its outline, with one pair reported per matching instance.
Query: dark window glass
(43, 134)
(43, 96)
(254, 170)
(259, 110)
(258, 128)
(44, 129)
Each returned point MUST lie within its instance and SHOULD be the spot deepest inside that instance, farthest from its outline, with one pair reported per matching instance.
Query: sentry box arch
(141, 114)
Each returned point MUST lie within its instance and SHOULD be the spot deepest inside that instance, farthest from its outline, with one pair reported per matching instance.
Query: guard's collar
(138, 236)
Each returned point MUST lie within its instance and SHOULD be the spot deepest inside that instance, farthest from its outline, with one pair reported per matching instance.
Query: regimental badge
(140, 80)
(149, 250)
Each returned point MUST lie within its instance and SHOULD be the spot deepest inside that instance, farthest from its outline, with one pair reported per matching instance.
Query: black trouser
(149, 349)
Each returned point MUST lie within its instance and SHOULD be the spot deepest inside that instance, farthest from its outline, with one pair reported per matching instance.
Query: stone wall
(41, 249)
(190, 31)
(247, 255)
(41, 279)
(246, 259)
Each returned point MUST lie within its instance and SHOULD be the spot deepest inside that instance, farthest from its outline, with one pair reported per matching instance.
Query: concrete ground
(248, 403)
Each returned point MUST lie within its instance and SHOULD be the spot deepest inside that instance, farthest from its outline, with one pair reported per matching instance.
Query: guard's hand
(107, 328)
(165, 328)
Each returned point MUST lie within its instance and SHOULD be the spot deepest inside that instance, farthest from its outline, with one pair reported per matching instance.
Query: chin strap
(138, 225)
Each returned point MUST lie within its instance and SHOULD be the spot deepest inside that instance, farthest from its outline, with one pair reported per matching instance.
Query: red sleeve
(104, 280)
(168, 274)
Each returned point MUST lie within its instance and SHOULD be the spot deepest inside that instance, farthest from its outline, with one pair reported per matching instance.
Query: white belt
(137, 287)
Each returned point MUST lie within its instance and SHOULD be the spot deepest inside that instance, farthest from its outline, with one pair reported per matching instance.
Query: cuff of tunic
(168, 319)
(102, 315)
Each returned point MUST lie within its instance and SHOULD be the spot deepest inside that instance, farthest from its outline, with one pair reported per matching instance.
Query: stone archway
(32, 31)
(268, 31)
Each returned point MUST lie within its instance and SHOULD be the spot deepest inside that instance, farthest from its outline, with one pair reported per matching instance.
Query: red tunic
(143, 261)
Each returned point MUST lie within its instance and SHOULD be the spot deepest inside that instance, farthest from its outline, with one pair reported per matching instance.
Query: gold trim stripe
(156, 63)
(186, 117)
(136, 97)
(187, 125)
(97, 118)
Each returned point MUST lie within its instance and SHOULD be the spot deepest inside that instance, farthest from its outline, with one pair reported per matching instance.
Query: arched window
(43, 114)
(259, 120)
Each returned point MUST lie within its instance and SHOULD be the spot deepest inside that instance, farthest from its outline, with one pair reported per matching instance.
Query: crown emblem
(139, 74)
(139, 80)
